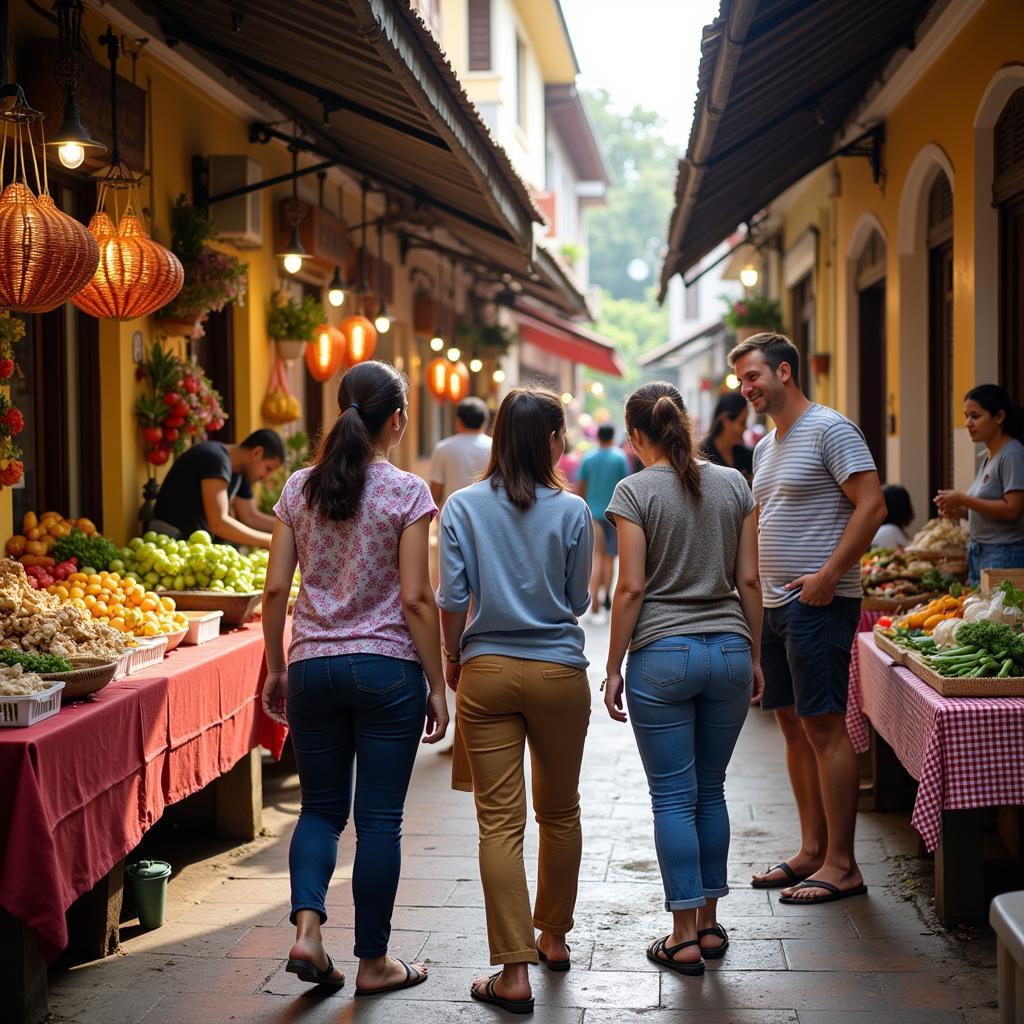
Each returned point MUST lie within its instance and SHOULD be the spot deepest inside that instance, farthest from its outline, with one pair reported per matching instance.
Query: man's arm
(865, 492)
(220, 520)
(437, 492)
(245, 511)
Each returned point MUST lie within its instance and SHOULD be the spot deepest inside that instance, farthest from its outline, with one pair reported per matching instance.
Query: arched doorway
(872, 378)
(940, 333)
(1008, 197)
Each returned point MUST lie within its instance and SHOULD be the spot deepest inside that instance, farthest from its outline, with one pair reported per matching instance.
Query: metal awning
(673, 351)
(369, 85)
(778, 80)
(566, 339)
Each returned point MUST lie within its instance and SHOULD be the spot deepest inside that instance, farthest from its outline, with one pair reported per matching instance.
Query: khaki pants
(504, 703)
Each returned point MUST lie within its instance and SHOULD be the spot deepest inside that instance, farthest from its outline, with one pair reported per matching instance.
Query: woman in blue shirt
(516, 549)
(994, 503)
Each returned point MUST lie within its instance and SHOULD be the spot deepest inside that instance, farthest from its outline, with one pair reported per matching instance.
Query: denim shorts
(992, 556)
(609, 536)
(805, 656)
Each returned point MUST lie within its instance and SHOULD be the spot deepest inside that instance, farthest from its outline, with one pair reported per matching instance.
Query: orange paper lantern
(135, 276)
(437, 378)
(458, 383)
(325, 355)
(47, 255)
(360, 338)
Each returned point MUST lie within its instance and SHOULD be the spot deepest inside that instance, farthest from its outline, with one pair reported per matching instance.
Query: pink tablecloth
(81, 788)
(964, 751)
(856, 725)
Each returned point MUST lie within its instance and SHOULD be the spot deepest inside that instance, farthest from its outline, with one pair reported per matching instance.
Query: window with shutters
(1009, 150)
(940, 211)
(940, 333)
(1008, 194)
(479, 35)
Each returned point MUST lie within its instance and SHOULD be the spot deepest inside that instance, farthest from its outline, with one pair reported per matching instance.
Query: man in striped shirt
(819, 502)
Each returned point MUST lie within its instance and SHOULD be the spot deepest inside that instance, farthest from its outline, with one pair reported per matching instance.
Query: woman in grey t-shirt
(688, 607)
(994, 503)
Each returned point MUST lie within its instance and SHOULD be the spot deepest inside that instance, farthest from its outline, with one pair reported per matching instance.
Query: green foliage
(753, 311)
(294, 321)
(41, 663)
(633, 223)
(296, 456)
(95, 551)
(480, 339)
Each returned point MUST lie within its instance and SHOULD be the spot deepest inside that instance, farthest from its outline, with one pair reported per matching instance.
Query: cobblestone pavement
(220, 956)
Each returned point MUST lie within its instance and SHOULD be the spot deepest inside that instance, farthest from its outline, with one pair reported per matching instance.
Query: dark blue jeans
(362, 711)
(992, 556)
(688, 698)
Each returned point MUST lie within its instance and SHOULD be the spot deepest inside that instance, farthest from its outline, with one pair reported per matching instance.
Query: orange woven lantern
(47, 255)
(360, 338)
(458, 383)
(437, 378)
(135, 276)
(325, 355)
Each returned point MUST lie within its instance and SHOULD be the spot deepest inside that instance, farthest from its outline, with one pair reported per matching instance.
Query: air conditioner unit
(239, 220)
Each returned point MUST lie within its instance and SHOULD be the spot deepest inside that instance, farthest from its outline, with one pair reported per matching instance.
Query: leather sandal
(412, 977)
(555, 965)
(490, 996)
(307, 971)
(659, 947)
(716, 952)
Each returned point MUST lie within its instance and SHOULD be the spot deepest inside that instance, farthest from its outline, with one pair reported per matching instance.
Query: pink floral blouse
(349, 601)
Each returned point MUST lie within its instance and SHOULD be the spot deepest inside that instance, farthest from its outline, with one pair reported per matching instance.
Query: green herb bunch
(41, 663)
(92, 552)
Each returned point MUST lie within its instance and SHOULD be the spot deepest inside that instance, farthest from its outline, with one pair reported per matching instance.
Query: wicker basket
(952, 561)
(88, 676)
(968, 686)
(889, 647)
(895, 604)
(237, 608)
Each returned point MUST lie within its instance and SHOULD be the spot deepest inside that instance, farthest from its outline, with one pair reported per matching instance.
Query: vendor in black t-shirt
(209, 488)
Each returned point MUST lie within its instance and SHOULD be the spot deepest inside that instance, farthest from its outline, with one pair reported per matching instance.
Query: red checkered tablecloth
(856, 724)
(964, 751)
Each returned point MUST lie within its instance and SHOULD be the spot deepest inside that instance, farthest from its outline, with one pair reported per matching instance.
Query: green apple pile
(163, 563)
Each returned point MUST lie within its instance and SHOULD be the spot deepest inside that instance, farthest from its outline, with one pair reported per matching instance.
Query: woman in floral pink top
(364, 634)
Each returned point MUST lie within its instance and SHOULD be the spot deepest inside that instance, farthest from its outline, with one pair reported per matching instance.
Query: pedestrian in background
(600, 471)
(460, 460)
(724, 443)
(688, 607)
(819, 504)
(352, 691)
(518, 546)
(994, 503)
(899, 514)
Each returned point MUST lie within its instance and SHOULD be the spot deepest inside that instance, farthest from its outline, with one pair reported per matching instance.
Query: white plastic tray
(202, 627)
(150, 651)
(30, 708)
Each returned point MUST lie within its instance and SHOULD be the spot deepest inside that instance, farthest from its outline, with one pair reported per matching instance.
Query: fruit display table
(81, 788)
(965, 753)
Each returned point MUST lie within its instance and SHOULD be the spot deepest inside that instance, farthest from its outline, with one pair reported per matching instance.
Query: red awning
(568, 340)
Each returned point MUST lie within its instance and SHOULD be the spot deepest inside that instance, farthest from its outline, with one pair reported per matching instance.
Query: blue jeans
(687, 698)
(992, 556)
(360, 711)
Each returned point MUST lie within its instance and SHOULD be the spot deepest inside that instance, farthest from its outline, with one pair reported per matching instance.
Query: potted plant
(212, 278)
(483, 339)
(11, 420)
(752, 314)
(293, 324)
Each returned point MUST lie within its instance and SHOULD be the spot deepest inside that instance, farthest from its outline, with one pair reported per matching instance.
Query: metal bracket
(201, 181)
(869, 145)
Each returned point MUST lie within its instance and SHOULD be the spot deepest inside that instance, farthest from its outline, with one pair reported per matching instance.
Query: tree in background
(632, 225)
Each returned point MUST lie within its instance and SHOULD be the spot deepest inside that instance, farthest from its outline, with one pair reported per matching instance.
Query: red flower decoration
(13, 420)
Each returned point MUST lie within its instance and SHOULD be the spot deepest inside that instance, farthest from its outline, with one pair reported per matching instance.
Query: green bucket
(149, 886)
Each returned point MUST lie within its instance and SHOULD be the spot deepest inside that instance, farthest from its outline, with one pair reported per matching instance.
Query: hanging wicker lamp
(360, 339)
(458, 383)
(437, 378)
(135, 275)
(326, 353)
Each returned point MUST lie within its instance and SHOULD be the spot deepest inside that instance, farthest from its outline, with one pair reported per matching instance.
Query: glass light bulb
(749, 276)
(498, 376)
(293, 263)
(732, 381)
(566, 398)
(597, 389)
(453, 354)
(382, 323)
(71, 154)
(436, 343)
(336, 296)
(476, 365)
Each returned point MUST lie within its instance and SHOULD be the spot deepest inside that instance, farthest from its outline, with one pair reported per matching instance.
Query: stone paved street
(220, 956)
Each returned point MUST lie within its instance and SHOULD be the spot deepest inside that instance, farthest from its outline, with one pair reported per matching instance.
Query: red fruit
(6, 368)
(170, 435)
(191, 385)
(13, 420)
(191, 429)
(158, 456)
(171, 398)
(215, 425)
(174, 421)
(153, 435)
(181, 409)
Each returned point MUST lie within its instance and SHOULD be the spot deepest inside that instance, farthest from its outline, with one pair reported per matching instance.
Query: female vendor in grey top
(994, 503)
(688, 607)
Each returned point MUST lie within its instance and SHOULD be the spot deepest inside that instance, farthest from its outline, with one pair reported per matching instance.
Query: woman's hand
(755, 697)
(274, 697)
(951, 503)
(613, 686)
(452, 671)
(437, 717)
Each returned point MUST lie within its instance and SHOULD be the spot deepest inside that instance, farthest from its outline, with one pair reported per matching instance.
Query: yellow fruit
(167, 603)
(78, 603)
(100, 609)
(90, 600)
(118, 624)
(95, 578)
(148, 604)
(62, 592)
(76, 592)
(150, 629)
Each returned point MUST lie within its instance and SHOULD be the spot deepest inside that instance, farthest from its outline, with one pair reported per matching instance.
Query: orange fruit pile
(121, 603)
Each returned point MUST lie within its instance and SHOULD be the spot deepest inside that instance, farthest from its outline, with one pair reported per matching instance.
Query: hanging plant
(490, 339)
(181, 406)
(212, 278)
(294, 321)
(11, 420)
(753, 311)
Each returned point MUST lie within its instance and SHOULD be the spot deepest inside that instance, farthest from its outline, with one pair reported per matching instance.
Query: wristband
(448, 655)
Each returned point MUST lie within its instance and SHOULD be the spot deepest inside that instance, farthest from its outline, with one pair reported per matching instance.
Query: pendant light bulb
(749, 276)
(293, 263)
(476, 365)
(71, 155)
(454, 354)
(498, 376)
(436, 343)
(382, 323)
(336, 290)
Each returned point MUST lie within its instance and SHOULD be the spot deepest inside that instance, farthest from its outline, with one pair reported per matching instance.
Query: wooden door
(871, 362)
(940, 368)
(1011, 313)
(215, 353)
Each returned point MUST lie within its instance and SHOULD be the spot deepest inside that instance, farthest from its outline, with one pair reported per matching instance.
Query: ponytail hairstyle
(521, 444)
(658, 412)
(368, 396)
(994, 399)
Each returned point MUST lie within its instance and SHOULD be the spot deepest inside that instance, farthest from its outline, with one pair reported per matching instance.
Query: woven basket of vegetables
(87, 676)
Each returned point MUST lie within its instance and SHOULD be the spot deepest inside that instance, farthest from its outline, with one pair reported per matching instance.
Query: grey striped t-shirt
(803, 510)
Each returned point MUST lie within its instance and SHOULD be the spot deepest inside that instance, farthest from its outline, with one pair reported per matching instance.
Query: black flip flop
(412, 978)
(834, 893)
(555, 965)
(490, 996)
(659, 946)
(792, 878)
(309, 972)
(716, 952)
